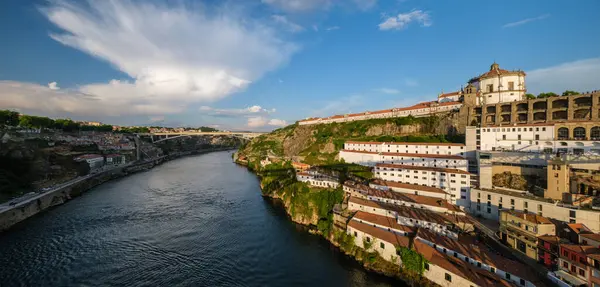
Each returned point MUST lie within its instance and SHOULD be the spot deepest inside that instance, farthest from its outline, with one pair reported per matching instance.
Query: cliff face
(315, 144)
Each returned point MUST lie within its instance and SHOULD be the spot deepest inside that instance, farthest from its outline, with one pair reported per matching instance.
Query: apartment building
(488, 203)
(407, 188)
(95, 161)
(443, 224)
(368, 158)
(573, 263)
(548, 249)
(401, 199)
(317, 180)
(407, 147)
(453, 181)
(521, 231)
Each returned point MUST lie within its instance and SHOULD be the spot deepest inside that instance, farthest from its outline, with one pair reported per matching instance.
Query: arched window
(579, 133)
(595, 133)
(563, 133)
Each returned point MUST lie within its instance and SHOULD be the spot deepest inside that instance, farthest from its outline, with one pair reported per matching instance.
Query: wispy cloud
(257, 122)
(175, 56)
(299, 5)
(525, 21)
(332, 28)
(404, 19)
(349, 104)
(249, 111)
(389, 91)
(277, 123)
(411, 82)
(287, 24)
(53, 86)
(581, 75)
(365, 4)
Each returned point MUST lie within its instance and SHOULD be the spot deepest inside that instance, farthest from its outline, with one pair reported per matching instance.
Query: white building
(453, 181)
(449, 97)
(499, 86)
(407, 147)
(487, 203)
(418, 110)
(532, 138)
(95, 161)
(115, 159)
(318, 180)
(368, 158)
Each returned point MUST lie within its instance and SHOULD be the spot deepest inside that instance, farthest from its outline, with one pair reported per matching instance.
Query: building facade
(521, 230)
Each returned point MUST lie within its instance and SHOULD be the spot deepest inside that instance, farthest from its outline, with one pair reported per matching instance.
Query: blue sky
(261, 64)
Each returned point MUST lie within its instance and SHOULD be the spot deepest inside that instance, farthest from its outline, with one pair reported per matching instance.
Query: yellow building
(520, 230)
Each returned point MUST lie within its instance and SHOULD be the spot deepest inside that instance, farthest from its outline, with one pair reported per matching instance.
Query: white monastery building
(499, 86)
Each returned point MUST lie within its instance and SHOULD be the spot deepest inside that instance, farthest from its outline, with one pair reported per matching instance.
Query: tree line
(13, 119)
(551, 94)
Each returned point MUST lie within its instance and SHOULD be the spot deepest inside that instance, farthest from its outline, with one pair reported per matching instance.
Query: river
(195, 221)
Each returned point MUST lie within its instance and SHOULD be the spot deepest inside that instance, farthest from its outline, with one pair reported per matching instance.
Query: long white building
(368, 158)
(418, 110)
(407, 147)
(453, 181)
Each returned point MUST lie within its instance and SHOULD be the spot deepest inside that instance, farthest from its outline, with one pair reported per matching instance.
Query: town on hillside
(515, 204)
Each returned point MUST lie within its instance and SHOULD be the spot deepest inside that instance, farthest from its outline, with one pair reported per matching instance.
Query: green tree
(9, 118)
(570, 93)
(546, 95)
(530, 96)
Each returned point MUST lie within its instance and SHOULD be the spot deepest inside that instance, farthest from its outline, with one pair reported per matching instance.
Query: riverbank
(313, 208)
(28, 207)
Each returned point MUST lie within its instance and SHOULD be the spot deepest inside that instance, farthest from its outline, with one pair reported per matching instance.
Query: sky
(263, 64)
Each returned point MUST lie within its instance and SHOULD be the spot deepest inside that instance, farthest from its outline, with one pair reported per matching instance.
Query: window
(522, 281)
(426, 266)
(504, 137)
(579, 133)
(492, 269)
(565, 264)
(512, 202)
(507, 276)
(355, 234)
(489, 197)
(572, 213)
(511, 86)
(368, 239)
(382, 245)
(448, 277)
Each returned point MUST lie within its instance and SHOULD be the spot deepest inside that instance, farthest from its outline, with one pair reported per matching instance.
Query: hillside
(320, 144)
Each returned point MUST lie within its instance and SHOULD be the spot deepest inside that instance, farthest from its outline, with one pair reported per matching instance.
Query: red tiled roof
(531, 217)
(578, 227)
(592, 236)
(471, 247)
(581, 249)
(413, 167)
(411, 198)
(391, 237)
(408, 186)
(381, 220)
(449, 94)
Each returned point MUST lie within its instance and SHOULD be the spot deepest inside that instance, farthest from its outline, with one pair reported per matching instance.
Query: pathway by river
(195, 221)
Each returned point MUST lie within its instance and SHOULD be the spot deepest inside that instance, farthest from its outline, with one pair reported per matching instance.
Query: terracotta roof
(411, 198)
(531, 217)
(592, 236)
(381, 220)
(581, 249)
(407, 143)
(417, 214)
(578, 227)
(449, 94)
(550, 238)
(408, 186)
(300, 164)
(471, 247)
(381, 234)
(304, 173)
(412, 167)
(496, 71)
(442, 156)
(476, 275)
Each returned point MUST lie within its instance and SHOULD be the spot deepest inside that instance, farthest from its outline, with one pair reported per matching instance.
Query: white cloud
(256, 122)
(365, 4)
(277, 123)
(581, 76)
(332, 28)
(287, 24)
(299, 5)
(403, 19)
(388, 91)
(525, 21)
(175, 56)
(53, 86)
(411, 82)
(249, 111)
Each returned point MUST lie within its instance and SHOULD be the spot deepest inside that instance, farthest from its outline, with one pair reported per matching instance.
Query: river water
(195, 221)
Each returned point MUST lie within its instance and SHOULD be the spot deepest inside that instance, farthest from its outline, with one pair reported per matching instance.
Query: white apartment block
(418, 110)
(488, 202)
(536, 138)
(368, 158)
(454, 149)
(436, 222)
(402, 199)
(453, 181)
(317, 180)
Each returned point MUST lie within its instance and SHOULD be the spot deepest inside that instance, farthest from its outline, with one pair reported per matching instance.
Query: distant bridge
(163, 136)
